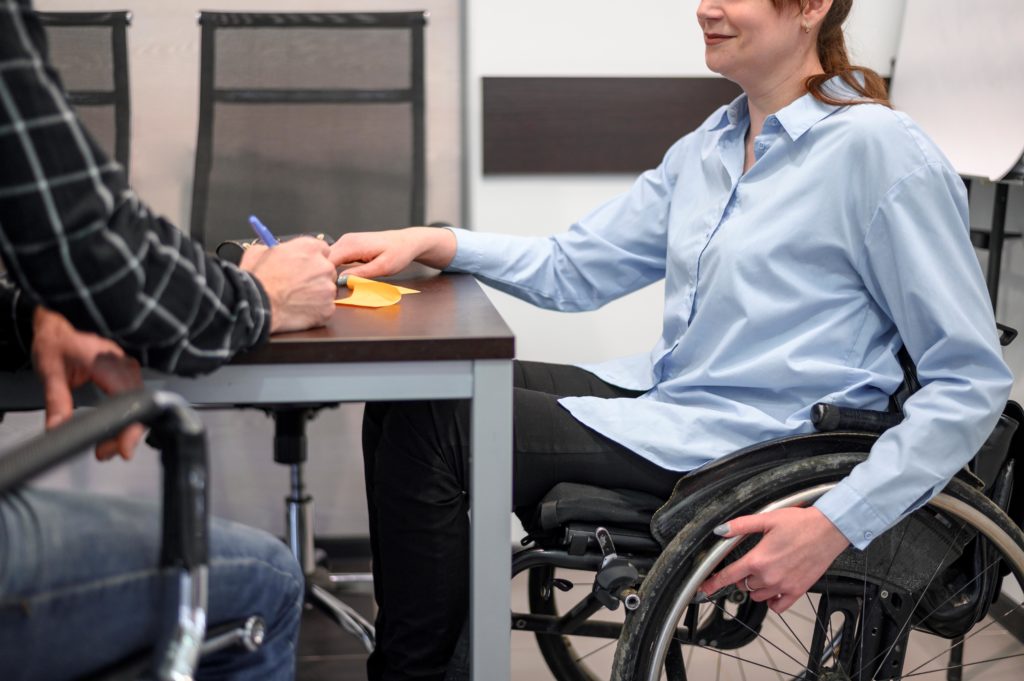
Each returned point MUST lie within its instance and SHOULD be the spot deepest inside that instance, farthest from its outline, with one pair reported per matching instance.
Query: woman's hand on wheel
(797, 547)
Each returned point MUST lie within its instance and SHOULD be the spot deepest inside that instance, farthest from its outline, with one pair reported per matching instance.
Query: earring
(807, 28)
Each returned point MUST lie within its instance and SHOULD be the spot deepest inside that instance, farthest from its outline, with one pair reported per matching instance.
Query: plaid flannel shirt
(76, 239)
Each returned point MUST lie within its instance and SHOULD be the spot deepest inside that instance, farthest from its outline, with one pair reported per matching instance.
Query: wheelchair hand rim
(943, 502)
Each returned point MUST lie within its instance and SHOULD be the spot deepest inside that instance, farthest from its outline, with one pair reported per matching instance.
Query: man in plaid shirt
(78, 573)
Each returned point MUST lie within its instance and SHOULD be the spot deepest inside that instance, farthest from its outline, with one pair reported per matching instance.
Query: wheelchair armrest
(82, 431)
(829, 417)
(178, 432)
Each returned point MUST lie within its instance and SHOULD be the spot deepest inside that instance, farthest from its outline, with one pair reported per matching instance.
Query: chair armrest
(178, 432)
(829, 417)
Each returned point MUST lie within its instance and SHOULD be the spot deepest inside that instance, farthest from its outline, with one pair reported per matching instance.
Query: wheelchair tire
(695, 552)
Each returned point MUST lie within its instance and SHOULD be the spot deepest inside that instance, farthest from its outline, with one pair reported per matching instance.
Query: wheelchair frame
(678, 517)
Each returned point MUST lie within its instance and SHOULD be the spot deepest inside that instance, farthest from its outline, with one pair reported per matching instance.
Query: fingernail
(722, 530)
(701, 597)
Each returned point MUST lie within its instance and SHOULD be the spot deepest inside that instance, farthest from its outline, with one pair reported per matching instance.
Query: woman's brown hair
(835, 61)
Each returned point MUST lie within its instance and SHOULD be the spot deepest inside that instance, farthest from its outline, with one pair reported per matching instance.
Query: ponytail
(835, 61)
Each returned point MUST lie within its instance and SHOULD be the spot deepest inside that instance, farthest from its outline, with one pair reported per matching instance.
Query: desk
(447, 342)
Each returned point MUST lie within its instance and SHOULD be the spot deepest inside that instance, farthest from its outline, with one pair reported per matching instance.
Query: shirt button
(869, 534)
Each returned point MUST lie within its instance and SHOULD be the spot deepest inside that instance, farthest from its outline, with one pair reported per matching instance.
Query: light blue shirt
(792, 284)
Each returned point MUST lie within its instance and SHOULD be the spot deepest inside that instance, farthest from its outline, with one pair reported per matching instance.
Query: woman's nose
(709, 11)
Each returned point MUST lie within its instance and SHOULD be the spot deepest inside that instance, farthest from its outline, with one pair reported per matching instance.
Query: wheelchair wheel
(570, 658)
(589, 657)
(875, 614)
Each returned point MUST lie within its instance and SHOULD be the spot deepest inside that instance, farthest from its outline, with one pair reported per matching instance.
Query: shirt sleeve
(618, 248)
(77, 239)
(919, 266)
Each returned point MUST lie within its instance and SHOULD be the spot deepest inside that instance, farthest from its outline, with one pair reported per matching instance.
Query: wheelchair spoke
(903, 627)
(965, 664)
(596, 650)
(743, 671)
(768, 654)
(758, 634)
(956, 593)
(792, 633)
(964, 640)
(783, 674)
(817, 618)
(888, 571)
(833, 644)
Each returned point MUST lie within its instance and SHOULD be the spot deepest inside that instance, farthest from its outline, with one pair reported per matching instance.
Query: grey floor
(326, 653)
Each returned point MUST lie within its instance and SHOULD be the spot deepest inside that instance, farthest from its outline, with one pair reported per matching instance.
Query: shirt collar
(795, 118)
(734, 114)
(802, 114)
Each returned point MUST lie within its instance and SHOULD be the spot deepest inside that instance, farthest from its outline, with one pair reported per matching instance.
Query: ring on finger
(746, 584)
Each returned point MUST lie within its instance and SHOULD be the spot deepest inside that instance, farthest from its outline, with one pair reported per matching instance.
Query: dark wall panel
(591, 125)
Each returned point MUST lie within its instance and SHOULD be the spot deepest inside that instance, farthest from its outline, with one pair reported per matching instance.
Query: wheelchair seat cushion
(569, 502)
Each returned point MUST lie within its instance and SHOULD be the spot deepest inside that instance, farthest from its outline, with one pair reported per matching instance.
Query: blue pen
(262, 232)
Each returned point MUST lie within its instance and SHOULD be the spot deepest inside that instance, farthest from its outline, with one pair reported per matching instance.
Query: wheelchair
(175, 430)
(906, 606)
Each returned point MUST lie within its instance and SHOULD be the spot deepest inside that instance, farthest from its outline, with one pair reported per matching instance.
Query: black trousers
(416, 463)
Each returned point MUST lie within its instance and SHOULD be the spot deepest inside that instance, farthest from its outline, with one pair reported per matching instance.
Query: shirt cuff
(264, 333)
(468, 254)
(850, 512)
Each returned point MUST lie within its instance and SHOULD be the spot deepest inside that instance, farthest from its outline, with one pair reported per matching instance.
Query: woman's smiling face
(746, 40)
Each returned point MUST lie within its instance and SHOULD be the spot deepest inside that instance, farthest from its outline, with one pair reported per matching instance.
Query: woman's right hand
(379, 254)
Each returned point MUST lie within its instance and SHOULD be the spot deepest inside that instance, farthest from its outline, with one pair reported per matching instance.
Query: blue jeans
(80, 588)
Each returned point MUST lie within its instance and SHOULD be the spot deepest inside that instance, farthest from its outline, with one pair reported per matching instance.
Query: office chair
(315, 123)
(90, 53)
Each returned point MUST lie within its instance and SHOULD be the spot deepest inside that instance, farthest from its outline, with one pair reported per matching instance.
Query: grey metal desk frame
(488, 383)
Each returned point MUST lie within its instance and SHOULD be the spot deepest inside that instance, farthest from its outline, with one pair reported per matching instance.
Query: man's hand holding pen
(298, 278)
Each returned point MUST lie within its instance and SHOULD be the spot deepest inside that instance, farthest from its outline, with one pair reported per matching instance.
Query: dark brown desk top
(450, 319)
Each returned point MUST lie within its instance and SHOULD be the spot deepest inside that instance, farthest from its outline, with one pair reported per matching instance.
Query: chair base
(343, 614)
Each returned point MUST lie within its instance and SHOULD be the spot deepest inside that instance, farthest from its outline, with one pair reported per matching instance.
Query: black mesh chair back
(90, 52)
(313, 122)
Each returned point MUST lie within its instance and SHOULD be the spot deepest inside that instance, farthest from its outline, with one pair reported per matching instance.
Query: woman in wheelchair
(805, 233)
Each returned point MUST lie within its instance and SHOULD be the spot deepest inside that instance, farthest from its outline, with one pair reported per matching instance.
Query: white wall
(597, 38)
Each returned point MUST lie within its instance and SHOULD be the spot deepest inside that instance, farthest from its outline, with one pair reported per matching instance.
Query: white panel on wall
(873, 31)
(586, 38)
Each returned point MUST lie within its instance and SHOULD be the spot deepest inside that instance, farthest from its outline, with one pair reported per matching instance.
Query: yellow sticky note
(369, 293)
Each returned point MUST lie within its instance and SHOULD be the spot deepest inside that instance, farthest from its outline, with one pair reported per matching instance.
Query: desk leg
(491, 494)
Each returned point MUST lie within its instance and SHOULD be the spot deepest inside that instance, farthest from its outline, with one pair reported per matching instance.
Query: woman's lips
(715, 38)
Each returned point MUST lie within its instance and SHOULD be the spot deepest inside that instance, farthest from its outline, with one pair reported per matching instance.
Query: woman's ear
(813, 12)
